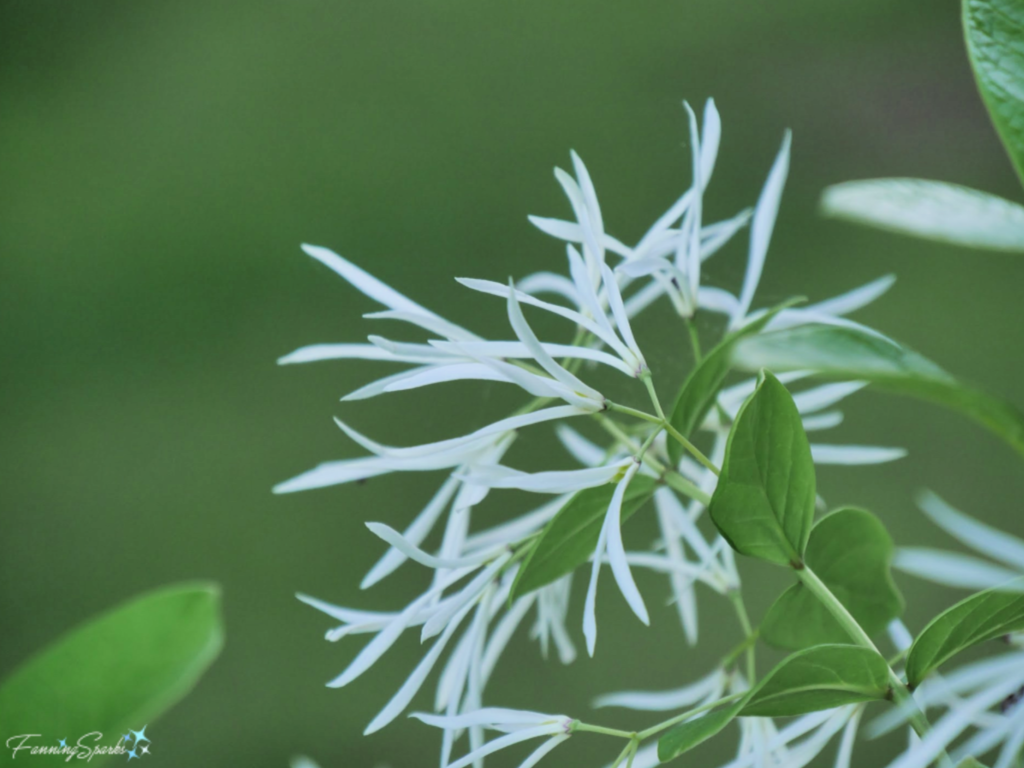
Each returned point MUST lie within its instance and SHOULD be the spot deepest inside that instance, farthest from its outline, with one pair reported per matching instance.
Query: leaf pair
(817, 678)
(118, 671)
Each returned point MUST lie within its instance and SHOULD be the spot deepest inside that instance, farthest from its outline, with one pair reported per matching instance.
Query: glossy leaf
(570, 538)
(817, 678)
(119, 671)
(698, 393)
(822, 677)
(764, 502)
(931, 209)
(851, 552)
(984, 616)
(993, 32)
(850, 353)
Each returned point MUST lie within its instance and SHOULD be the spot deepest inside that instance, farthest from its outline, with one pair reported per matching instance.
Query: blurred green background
(161, 162)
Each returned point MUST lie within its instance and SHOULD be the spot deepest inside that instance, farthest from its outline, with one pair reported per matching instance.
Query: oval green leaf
(764, 502)
(993, 30)
(851, 552)
(817, 678)
(570, 538)
(698, 393)
(118, 671)
(850, 353)
(822, 677)
(934, 210)
(984, 616)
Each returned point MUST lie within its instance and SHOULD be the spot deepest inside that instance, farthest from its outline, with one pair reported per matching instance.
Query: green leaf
(851, 552)
(821, 677)
(685, 737)
(118, 671)
(764, 502)
(984, 616)
(931, 209)
(569, 540)
(995, 31)
(817, 678)
(969, 762)
(698, 393)
(855, 354)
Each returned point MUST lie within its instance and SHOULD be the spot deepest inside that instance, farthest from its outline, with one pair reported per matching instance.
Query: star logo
(140, 735)
(145, 749)
(132, 755)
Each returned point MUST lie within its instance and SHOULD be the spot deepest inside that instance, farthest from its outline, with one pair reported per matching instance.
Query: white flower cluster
(606, 285)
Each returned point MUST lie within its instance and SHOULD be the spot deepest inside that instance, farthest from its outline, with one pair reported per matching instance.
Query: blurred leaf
(930, 209)
(685, 737)
(854, 354)
(851, 552)
(822, 677)
(118, 671)
(817, 678)
(764, 502)
(969, 762)
(698, 393)
(984, 616)
(996, 48)
(569, 540)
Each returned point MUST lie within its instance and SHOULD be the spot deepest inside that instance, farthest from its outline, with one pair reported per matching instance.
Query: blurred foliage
(160, 165)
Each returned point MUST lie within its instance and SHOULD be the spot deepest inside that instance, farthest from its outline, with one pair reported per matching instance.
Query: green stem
(628, 751)
(741, 613)
(901, 696)
(671, 477)
(662, 422)
(587, 727)
(655, 729)
(694, 451)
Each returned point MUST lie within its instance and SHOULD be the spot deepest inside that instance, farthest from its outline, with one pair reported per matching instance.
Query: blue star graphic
(132, 755)
(140, 735)
(63, 742)
(126, 737)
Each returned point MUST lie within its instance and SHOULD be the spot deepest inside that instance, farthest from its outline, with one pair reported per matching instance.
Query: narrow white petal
(364, 281)
(443, 615)
(616, 551)
(900, 635)
(348, 615)
(316, 352)
(717, 300)
(414, 534)
(590, 606)
(569, 231)
(619, 313)
(336, 473)
(662, 701)
(444, 373)
(854, 454)
(500, 743)
(589, 194)
(845, 753)
(712, 136)
(445, 446)
(519, 350)
(431, 323)
(503, 632)
(538, 754)
(666, 220)
(580, 448)
(380, 386)
(853, 300)
(980, 537)
(516, 529)
(396, 540)
(572, 190)
(692, 243)
(682, 587)
(715, 236)
(822, 421)
(761, 229)
(811, 400)
(557, 481)
(952, 569)
(497, 289)
(549, 282)
(643, 298)
(489, 717)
